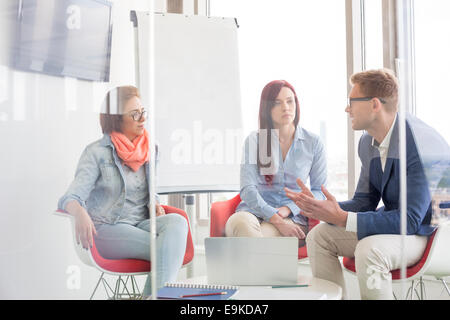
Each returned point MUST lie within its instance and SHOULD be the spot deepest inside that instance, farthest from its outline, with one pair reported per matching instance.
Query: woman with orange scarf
(109, 196)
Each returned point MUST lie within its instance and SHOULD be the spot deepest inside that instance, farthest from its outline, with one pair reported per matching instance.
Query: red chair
(221, 211)
(412, 273)
(123, 268)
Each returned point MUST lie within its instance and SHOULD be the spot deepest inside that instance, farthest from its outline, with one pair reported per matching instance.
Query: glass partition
(57, 114)
(304, 43)
(432, 73)
(58, 59)
(423, 152)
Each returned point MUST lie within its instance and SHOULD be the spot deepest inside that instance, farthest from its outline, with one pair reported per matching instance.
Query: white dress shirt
(383, 148)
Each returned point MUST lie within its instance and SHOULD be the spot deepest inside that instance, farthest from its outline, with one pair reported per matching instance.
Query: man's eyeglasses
(350, 100)
(137, 115)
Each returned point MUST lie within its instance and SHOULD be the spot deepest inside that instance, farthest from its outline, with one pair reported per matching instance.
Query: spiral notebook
(196, 291)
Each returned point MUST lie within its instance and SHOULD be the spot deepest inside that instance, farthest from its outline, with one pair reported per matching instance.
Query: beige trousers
(246, 224)
(374, 256)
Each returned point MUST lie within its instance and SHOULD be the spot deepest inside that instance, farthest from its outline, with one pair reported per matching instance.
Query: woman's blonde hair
(381, 83)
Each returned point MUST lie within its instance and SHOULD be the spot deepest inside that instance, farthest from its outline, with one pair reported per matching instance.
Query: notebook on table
(196, 291)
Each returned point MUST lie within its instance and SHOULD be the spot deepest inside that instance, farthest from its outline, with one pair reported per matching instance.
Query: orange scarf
(133, 154)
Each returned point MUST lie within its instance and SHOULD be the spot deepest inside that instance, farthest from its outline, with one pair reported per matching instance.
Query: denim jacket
(99, 184)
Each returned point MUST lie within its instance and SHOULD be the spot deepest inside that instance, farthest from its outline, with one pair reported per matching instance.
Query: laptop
(251, 261)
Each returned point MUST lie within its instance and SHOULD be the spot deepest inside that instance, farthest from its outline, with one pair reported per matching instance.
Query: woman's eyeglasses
(137, 115)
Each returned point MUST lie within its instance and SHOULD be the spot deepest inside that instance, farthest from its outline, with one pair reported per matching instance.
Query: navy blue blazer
(374, 184)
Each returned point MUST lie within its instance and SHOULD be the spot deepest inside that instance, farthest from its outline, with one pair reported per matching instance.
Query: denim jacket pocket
(109, 170)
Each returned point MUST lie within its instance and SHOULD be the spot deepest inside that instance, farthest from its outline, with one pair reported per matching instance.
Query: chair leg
(136, 292)
(410, 291)
(413, 290)
(423, 293)
(107, 286)
(445, 286)
(125, 288)
(118, 292)
(420, 294)
(125, 292)
(98, 282)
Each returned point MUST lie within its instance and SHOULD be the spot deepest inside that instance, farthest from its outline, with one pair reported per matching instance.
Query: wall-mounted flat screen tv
(64, 38)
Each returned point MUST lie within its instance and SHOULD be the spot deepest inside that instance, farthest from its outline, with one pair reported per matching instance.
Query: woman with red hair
(274, 157)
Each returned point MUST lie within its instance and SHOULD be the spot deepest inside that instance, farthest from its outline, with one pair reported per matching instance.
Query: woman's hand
(290, 230)
(284, 212)
(84, 227)
(287, 229)
(159, 210)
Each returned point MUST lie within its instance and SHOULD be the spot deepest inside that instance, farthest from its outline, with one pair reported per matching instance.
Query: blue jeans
(125, 241)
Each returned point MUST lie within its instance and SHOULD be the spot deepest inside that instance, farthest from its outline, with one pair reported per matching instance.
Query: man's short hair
(381, 83)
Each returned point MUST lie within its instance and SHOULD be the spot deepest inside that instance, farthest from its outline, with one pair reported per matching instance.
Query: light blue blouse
(305, 159)
(135, 208)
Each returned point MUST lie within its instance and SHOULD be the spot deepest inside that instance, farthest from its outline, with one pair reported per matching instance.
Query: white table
(317, 289)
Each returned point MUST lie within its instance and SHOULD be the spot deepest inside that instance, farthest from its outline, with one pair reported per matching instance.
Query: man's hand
(325, 210)
(295, 195)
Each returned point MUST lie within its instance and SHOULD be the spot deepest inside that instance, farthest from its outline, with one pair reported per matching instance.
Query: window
(276, 42)
(432, 49)
(373, 27)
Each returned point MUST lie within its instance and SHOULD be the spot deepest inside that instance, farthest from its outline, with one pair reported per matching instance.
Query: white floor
(434, 289)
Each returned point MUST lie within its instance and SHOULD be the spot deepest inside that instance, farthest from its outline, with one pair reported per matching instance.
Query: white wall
(45, 122)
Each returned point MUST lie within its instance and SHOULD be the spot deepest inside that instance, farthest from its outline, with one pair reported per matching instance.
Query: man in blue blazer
(356, 228)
